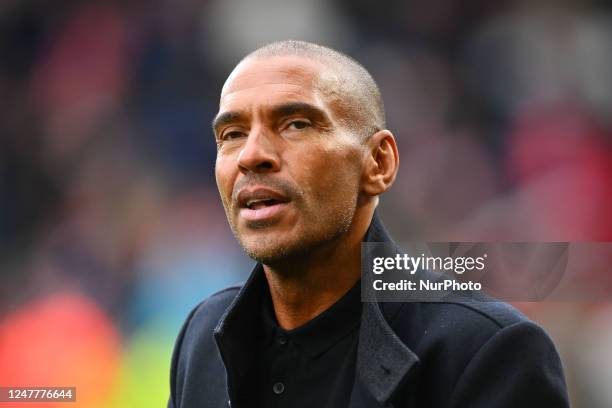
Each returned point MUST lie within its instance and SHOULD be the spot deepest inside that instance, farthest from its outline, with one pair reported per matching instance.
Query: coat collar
(383, 360)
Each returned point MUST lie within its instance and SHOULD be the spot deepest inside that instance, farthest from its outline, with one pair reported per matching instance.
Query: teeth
(249, 203)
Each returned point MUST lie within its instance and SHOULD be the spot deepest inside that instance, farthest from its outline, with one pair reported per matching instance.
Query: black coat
(460, 354)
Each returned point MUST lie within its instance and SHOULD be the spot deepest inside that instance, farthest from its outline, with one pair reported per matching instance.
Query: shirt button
(278, 388)
(282, 339)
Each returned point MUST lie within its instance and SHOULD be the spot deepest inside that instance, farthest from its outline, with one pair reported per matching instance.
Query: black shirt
(312, 365)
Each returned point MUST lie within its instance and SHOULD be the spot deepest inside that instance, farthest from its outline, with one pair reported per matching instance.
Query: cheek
(333, 176)
(224, 176)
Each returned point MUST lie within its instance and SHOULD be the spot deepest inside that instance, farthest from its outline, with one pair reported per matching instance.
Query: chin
(268, 250)
(278, 244)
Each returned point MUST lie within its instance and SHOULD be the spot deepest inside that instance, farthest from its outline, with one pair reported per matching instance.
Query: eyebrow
(226, 118)
(285, 109)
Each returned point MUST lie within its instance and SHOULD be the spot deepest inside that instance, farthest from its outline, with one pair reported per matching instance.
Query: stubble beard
(281, 254)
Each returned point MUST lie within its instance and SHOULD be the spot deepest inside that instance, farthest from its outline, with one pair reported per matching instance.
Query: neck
(317, 281)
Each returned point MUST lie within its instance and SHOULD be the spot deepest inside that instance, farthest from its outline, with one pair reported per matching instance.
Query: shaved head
(346, 85)
(302, 152)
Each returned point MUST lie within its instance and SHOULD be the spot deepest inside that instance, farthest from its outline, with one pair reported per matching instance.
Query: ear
(381, 163)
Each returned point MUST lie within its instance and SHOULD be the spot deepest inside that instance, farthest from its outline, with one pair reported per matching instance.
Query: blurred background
(111, 228)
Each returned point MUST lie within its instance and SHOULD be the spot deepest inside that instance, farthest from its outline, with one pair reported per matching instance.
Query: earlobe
(382, 163)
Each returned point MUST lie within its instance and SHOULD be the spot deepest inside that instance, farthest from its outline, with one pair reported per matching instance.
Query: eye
(298, 124)
(232, 135)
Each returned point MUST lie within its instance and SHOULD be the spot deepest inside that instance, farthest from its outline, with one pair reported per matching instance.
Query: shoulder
(450, 334)
(198, 328)
(216, 304)
(484, 313)
(195, 339)
(206, 315)
(463, 344)
(195, 357)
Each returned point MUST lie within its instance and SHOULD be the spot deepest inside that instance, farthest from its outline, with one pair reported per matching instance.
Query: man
(303, 155)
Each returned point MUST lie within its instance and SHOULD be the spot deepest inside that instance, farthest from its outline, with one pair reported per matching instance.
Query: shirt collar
(321, 333)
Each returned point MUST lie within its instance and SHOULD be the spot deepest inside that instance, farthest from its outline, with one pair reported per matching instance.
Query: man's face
(288, 173)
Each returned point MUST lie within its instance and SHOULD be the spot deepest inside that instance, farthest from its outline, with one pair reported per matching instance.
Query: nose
(258, 154)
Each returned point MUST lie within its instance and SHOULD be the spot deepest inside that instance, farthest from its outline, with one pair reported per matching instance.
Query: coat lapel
(383, 360)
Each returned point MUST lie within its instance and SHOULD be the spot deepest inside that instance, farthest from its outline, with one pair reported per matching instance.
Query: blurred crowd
(111, 228)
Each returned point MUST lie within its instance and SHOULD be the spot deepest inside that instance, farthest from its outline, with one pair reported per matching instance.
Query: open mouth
(258, 204)
(261, 204)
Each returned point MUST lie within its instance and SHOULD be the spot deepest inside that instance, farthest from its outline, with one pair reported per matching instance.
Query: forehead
(266, 81)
